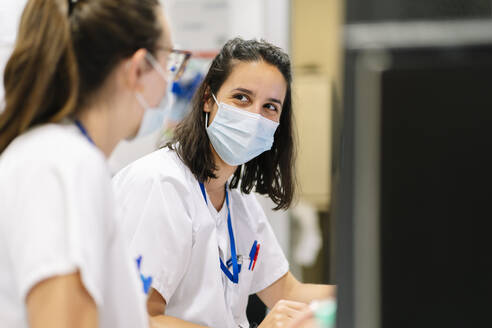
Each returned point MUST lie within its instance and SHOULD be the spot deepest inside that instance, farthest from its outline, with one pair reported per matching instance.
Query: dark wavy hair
(272, 173)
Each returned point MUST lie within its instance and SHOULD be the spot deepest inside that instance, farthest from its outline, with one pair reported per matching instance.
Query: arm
(61, 302)
(283, 313)
(156, 307)
(289, 288)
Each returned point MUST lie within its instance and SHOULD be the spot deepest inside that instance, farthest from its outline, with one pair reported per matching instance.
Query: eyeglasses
(177, 61)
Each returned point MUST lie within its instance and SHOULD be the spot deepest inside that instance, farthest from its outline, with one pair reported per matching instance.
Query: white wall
(277, 23)
(266, 19)
(198, 25)
(10, 13)
(207, 24)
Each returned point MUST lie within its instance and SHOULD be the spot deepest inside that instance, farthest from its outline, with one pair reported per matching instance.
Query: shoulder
(57, 148)
(248, 208)
(247, 200)
(155, 189)
(161, 167)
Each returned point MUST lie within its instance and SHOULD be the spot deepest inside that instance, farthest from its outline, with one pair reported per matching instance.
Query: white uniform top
(57, 217)
(166, 219)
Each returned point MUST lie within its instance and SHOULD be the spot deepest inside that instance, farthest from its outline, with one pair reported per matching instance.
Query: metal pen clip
(240, 260)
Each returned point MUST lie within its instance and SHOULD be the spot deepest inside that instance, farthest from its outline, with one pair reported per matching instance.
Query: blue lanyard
(234, 276)
(84, 131)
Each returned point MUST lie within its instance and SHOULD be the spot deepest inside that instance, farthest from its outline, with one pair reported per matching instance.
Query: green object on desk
(325, 313)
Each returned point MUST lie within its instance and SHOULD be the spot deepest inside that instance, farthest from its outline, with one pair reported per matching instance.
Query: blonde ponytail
(41, 76)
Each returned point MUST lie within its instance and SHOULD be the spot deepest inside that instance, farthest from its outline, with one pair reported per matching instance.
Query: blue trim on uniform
(234, 276)
(84, 131)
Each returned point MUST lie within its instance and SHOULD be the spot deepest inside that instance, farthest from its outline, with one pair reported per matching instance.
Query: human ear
(135, 67)
(208, 101)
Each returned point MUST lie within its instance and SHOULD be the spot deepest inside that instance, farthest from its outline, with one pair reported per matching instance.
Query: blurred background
(393, 114)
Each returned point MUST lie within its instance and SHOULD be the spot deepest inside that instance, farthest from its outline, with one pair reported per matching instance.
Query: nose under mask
(239, 136)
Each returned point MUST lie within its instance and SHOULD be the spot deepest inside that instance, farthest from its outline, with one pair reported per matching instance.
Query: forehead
(260, 77)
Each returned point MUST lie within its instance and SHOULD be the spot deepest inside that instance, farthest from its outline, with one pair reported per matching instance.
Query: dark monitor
(413, 186)
(398, 10)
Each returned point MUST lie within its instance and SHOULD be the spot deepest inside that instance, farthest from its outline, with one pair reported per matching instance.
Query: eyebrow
(249, 92)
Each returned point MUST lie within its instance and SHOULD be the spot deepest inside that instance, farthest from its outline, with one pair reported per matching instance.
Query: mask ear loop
(141, 100)
(215, 99)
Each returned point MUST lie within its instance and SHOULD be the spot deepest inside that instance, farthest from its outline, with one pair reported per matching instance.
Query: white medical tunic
(166, 218)
(57, 218)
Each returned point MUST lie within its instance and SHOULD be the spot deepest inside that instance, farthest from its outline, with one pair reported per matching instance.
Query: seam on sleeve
(58, 268)
(159, 286)
(276, 275)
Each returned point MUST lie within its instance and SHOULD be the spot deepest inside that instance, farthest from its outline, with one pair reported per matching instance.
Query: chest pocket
(237, 294)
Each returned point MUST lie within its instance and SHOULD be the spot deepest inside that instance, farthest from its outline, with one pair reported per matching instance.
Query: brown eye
(271, 107)
(241, 97)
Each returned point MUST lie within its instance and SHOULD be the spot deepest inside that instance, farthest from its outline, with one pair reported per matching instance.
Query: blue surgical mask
(154, 117)
(238, 135)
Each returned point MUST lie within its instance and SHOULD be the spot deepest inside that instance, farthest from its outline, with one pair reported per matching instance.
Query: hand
(306, 320)
(284, 313)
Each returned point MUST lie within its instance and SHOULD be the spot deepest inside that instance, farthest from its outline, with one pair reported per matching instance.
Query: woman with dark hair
(80, 79)
(189, 210)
